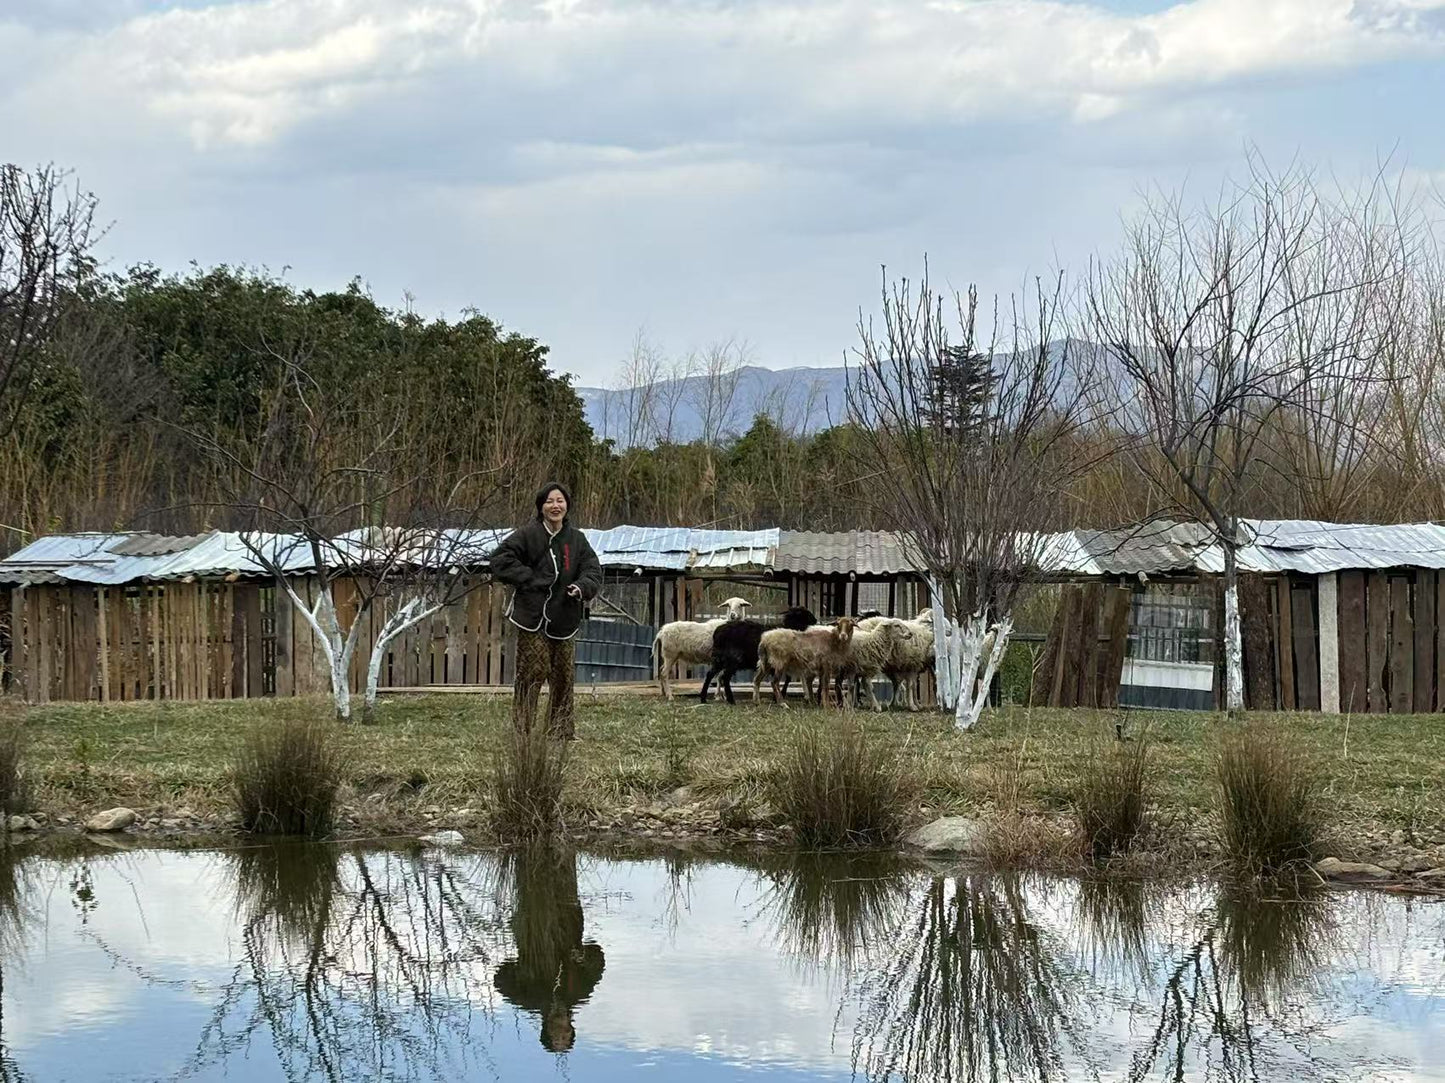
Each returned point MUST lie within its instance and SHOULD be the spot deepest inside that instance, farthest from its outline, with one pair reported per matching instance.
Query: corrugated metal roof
(679, 548)
(1303, 546)
(1315, 548)
(866, 552)
(1150, 547)
(58, 550)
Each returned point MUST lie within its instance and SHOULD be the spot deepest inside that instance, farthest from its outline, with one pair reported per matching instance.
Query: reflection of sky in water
(165, 974)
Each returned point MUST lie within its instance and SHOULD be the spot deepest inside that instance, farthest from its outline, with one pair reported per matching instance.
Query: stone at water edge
(1332, 868)
(951, 835)
(115, 819)
(1432, 876)
(443, 838)
(22, 823)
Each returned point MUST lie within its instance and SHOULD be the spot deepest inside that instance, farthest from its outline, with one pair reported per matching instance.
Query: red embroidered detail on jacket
(566, 556)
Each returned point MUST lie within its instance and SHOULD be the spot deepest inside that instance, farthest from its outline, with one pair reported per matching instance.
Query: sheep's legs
(725, 682)
(706, 681)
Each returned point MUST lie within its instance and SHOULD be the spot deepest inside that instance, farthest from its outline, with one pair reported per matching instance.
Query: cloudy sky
(705, 169)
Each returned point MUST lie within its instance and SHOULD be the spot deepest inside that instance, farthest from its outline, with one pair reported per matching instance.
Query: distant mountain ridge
(801, 400)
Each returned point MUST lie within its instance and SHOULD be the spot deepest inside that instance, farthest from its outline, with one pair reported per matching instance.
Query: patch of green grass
(1384, 777)
(14, 785)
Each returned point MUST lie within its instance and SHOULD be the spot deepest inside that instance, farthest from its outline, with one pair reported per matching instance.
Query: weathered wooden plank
(285, 675)
(1259, 682)
(1377, 621)
(1329, 643)
(1087, 651)
(168, 622)
(83, 642)
(1402, 647)
(1353, 643)
(1424, 602)
(496, 633)
(1285, 614)
(1306, 648)
(1065, 621)
(157, 638)
(1116, 644)
(249, 598)
(1440, 642)
(103, 641)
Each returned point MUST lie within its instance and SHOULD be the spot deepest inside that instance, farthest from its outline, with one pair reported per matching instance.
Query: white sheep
(871, 649)
(690, 641)
(911, 657)
(914, 656)
(820, 651)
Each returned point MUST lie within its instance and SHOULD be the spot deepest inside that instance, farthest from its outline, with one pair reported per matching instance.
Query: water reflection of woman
(554, 969)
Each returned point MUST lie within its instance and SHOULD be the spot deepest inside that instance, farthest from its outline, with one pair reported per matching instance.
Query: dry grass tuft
(286, 778)
(1269, 812)
(839, 787)
(528, 776)
(1111, 796)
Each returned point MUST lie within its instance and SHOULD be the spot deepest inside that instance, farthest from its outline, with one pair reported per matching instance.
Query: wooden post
(1329, 645)
(1284, 608)
(1402, 648)
(103, 636)
(1424, 640)
(1377, 617)
(1306, 654)
(1352, 644)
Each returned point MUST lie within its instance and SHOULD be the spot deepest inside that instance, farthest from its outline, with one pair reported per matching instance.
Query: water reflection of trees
(358, 965)
(972, 988)
(833, 909)
(1234, 1003)
(15, 914)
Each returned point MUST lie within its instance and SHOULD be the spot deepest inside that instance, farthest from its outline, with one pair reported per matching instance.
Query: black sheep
(735, 647)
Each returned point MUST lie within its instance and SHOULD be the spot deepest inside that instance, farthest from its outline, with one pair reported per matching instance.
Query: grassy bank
(429, 763)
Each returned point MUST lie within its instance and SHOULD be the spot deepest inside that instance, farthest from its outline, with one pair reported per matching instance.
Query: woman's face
(554, 508)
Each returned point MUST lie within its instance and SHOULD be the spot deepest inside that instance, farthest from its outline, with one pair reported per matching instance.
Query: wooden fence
(1083, 658)
(1356, 641)
(242, 639)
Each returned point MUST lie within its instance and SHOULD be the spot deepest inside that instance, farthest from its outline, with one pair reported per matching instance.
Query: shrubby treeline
(110, 381)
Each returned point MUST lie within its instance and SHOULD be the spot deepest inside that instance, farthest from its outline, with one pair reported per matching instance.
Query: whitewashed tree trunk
(412, 612)
(1233, 640)
(979, 693)
(945, 672)
(337, 648)
(967, 644)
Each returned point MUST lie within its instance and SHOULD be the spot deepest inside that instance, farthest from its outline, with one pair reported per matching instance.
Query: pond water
(337, 963)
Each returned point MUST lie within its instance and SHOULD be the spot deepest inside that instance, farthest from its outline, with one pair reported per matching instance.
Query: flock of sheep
(850, 648)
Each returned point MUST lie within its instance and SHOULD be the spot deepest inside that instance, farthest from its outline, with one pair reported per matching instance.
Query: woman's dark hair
(542, 497)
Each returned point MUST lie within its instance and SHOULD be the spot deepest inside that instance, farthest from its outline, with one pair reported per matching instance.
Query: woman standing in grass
(554, 573)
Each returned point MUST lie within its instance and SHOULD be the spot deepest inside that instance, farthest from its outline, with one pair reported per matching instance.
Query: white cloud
(248, 73)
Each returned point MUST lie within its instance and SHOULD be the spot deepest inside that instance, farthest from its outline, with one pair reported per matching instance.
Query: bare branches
(974, 443)
(47, 233)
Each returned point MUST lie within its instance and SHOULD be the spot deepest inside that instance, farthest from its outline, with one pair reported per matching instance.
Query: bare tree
(965, 448)
(713, 388)
(47, 233)
(349, 481)
(1218, 327)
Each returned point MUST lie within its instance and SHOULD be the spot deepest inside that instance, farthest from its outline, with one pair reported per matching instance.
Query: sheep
(870, 651)
(690, 641)
(817, 651)
(735, 647)
(915, 656)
